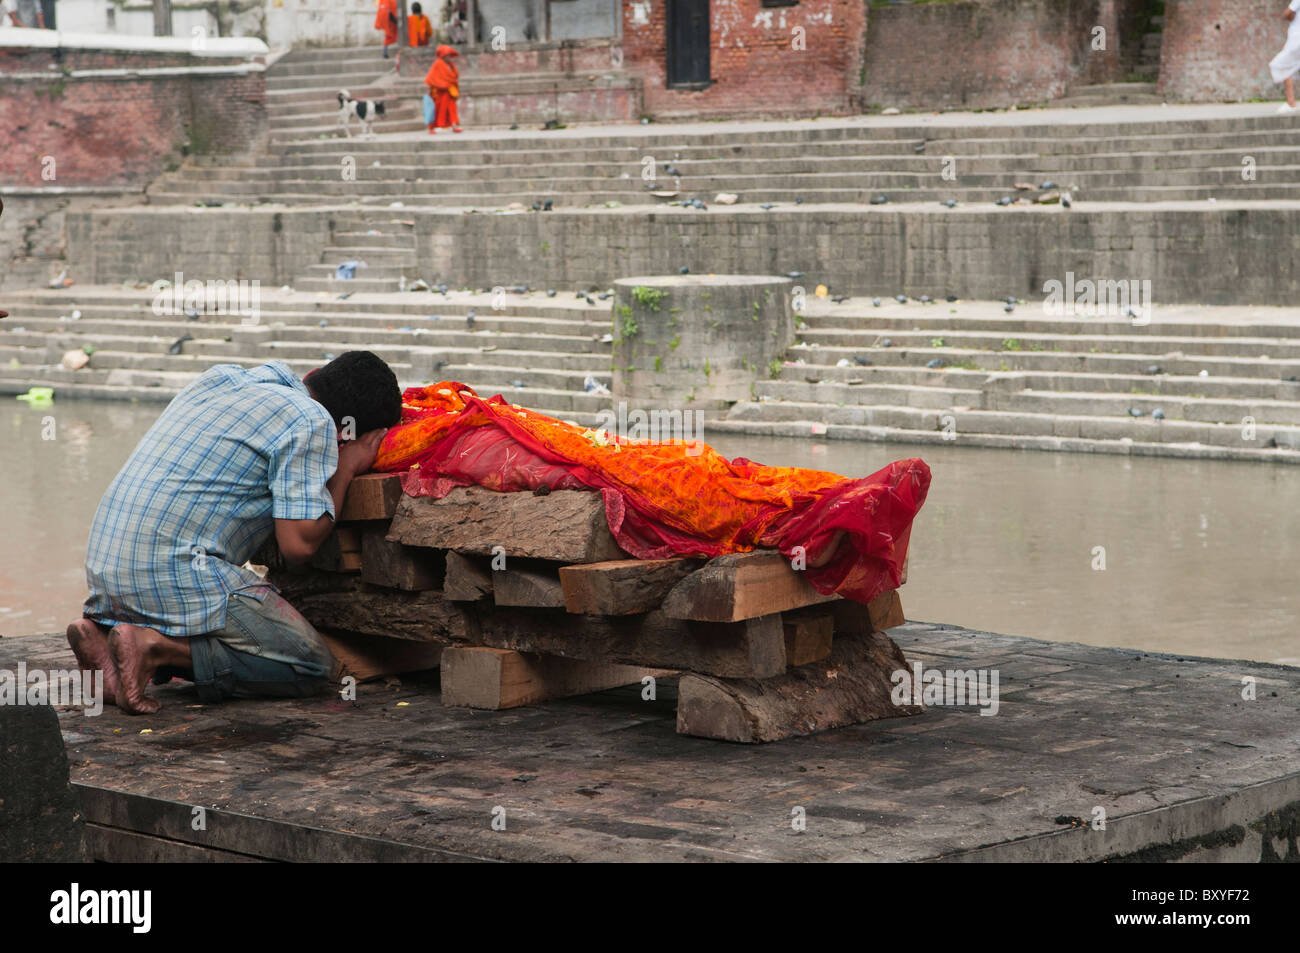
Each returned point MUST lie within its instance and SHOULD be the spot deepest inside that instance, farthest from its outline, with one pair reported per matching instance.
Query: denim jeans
(267, 649)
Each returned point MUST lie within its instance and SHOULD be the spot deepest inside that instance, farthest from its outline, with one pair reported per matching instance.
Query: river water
(1201, 557)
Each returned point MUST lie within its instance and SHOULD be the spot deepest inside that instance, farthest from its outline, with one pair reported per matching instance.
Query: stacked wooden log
(521, 597)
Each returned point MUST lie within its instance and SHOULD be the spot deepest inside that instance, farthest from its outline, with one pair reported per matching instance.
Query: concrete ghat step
(1122, 446)
(1019, 424)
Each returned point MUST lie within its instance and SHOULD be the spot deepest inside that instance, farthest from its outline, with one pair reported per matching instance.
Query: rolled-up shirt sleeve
(302, 461)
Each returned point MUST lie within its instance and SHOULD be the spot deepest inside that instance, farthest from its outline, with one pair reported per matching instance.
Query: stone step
(966, 341)
(1008, 423)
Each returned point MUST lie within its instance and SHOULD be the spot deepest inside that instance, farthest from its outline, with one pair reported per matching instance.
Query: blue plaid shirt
(234, 451)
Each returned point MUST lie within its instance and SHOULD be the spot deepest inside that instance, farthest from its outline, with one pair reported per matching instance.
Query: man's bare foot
(138, 652)
(90, 644)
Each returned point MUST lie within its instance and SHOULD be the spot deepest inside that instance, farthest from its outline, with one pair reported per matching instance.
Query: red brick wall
(986, 53)
(119, 130)
(754, 67)
(1216, 50)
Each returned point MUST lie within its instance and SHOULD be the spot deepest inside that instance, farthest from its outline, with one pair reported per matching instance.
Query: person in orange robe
(443, 80)
(419, 31)
(386, 20)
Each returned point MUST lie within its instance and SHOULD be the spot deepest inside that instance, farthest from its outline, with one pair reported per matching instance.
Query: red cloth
(661, 499)
(386, 20)
(443, 81)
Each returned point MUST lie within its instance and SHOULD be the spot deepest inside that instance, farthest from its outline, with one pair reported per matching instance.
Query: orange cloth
(418, 30)
(665, 499)
(386, 20)
(443, 81)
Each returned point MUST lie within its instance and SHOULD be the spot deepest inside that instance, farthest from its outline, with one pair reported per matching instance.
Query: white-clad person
(1287, 63)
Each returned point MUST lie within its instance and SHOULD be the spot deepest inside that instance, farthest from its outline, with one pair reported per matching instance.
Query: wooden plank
(622, 586)
(466, 580)
(851, 685)
(741, 586)
(386, 563)
(524, 587)
(853, 618)
(341, 551)
(809, 638)
(476, 677)
(753, 648)
(340, 601)
(367, 657)
(372, 496)
(565, 526)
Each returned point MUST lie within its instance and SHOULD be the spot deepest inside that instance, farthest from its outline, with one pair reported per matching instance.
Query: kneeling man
(239, 454)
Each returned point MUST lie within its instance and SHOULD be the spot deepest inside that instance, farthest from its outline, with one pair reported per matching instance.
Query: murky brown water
(1201, 557)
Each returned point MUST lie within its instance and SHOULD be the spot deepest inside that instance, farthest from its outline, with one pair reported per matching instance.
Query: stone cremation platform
(1183, 767)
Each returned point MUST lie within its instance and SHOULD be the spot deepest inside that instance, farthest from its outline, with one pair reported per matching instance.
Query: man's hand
(358, 456)
(1288, 14)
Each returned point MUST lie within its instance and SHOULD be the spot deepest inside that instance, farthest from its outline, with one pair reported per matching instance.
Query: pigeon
(886, 342)
(442, 288)
(794, 274)
(936, 363)
(590, 300)
(469, 320)
(1158, 414)
(798, 200)
(901, 299)
(537, 206)
(918, 149)
(683, 270)
(548, 205)
(766, 205)
(840, 299)
(1134, 412)
(550, 292)
(324, 323)
(1066, 199)
(178, 344)
(439, 365)
(344, 296)
(1005, 200)
(1010, 299)
(1153, 369)
(517, 383)
(671, 170)
(875, 302)
(192, 314)
(861, 362)
(605, 294)
(593, 386)
(950, 203)
(950, 299)
(1008, 308)
(925, 299)
(1048, 186)
(880, 200)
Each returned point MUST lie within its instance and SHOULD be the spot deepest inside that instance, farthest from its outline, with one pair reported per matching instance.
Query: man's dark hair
(358, 384)
(415, 9)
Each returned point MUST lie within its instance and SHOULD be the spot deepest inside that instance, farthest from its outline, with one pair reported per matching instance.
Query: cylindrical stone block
(697, 341)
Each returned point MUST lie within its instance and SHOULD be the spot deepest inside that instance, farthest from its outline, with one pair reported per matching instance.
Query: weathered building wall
(778, 61)
(1215, 50)
(82, 116)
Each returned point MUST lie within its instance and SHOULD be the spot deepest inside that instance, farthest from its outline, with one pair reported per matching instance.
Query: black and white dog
(364, 109)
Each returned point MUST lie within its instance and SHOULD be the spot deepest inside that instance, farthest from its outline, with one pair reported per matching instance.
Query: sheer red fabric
(668, 498)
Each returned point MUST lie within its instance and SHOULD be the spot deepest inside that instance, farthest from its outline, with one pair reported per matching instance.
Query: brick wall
(1216, 50)
(987, 53)
(119, 129)
(756, 70)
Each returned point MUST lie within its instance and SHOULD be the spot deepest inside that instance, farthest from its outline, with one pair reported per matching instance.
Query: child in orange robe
(419, 31)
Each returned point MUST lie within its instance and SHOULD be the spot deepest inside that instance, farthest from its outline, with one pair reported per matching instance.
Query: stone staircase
(1198, 382)
(830, 162)
(535, 350)
(383, 243)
